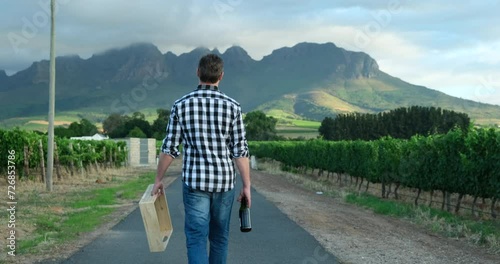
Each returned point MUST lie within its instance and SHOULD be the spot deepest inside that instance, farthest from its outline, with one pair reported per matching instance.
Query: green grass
(79, 222)
(306, 124)
(380, 206)
(483, 232)
(29, 245)
(52, 229)
(108, 196)
(99, 197)
(132, 188)
(86, 210)
(297, 128)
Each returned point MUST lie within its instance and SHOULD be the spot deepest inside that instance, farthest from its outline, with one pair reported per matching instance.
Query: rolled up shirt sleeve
(238, 145)
(173, 139)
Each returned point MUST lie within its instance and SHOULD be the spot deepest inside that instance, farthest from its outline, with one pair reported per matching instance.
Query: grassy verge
(52, 219)
(51, 229)
(484, 232)
(480, 232)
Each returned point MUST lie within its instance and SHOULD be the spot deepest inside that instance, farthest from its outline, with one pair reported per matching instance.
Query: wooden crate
(156, 218)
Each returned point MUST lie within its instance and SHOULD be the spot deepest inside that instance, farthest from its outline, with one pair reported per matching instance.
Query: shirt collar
(207, 87)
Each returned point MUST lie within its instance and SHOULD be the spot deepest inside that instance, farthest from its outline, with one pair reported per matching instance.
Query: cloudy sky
(451, 46)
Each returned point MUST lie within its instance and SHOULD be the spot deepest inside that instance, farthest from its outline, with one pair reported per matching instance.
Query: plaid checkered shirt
(209, 125)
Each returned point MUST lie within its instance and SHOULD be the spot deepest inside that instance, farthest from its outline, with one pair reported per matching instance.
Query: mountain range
(308, 80)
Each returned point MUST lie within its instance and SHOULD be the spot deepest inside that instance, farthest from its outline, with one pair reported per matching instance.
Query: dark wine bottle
(245, 221)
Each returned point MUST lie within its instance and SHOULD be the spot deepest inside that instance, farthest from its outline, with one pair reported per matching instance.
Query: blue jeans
(207, 215)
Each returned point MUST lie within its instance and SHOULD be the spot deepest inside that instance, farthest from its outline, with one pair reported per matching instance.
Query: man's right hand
(157, 188)
(246, 193)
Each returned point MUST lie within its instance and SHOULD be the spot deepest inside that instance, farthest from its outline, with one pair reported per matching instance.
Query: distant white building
(96, 136)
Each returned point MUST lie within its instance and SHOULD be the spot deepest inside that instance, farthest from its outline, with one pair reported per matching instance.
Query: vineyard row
(465, 163)
(73, 155)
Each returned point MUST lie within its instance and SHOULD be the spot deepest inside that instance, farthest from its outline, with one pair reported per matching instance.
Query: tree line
(119, 126)
(398, 123)
(258, 126)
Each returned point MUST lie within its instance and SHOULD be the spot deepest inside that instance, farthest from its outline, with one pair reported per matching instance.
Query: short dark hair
(210, 68)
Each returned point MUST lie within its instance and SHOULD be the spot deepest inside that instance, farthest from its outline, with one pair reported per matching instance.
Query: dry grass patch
(45, 220)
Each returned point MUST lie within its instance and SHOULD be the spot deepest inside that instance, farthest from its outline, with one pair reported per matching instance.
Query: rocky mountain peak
(236, 56)
(325, 57)
(133, 62)
(236, 51)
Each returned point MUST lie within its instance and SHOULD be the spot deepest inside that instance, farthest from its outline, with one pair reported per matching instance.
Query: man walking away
(210, 126)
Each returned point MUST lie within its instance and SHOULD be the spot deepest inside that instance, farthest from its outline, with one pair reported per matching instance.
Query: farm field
(296, 128)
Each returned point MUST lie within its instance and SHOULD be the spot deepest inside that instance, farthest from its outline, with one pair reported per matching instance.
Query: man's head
(210, 69)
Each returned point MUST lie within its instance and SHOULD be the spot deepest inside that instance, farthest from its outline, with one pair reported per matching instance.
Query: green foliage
(64, 132)
(120, 126)
(457, 162)
(259, 126)
(75, 129)
(327, 128)
(398, 123)
(113, 122)
(69, 151)
(137, 133)
(160, 124)
(141, 124)
(138, 115)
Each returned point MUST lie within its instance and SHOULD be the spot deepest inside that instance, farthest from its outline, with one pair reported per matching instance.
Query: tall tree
(136, 132)
(327, 130)
(160, 124)
(87, 128)
(397, 123)
(259, 126)
(138, 115)
(112, 122)
(142, 124)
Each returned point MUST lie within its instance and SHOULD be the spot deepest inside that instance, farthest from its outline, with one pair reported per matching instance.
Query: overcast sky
(448, 45)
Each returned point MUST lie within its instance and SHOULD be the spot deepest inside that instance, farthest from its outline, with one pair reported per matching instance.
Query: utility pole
(52, 92)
